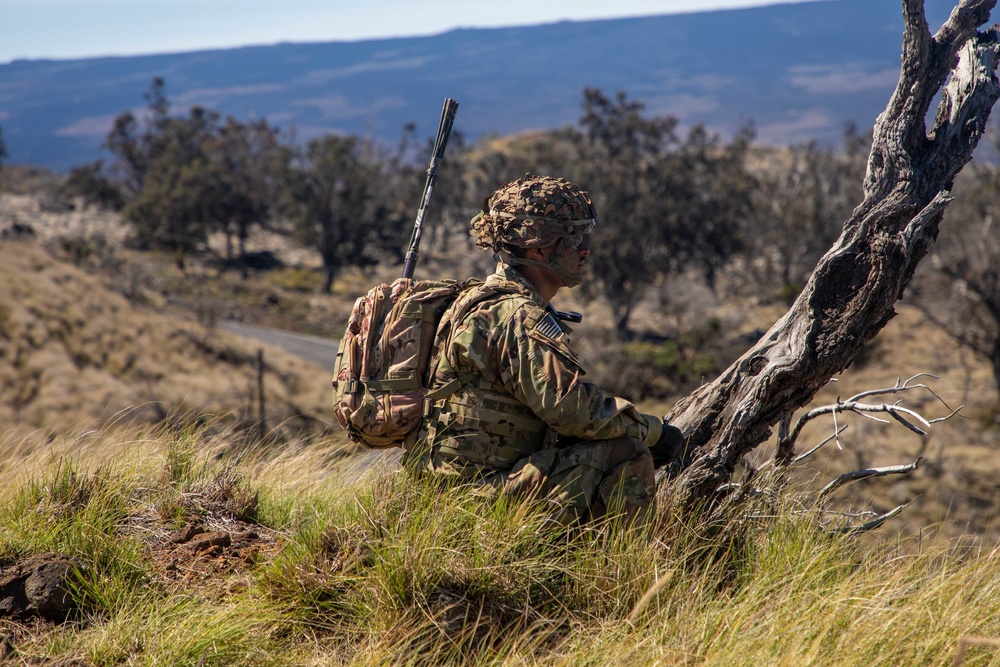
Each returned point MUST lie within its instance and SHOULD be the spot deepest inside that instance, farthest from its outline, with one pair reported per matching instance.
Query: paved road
(321, 350)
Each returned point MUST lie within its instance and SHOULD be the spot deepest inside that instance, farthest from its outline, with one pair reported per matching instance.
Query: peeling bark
(851, 294)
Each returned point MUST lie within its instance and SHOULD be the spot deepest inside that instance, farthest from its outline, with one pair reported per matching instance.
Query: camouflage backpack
(383, 366)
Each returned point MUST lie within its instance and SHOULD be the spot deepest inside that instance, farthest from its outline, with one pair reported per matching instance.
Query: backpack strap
(455, 314)
(393, 384)
(447, 389)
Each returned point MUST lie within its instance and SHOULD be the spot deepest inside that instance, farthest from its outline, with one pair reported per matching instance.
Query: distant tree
(178, 178)
(249, 160)
(710, 202)
(454, 203)
(330, 193)
(961, 291)
(183, 192)
(399, 188)
(802, 196)
(134, 143)
(171, 213)
(625, 169)
(665, 203)
(91, 183)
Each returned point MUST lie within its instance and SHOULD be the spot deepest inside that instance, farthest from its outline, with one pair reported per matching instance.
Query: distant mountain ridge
(797, 71)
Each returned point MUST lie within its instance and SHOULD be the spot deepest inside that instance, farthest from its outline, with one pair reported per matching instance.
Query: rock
(187, 533)
(208, 541)
(48, 588)
(18, 231)
(262, 260)
(450, 611)
(13, 601)
(39, 586)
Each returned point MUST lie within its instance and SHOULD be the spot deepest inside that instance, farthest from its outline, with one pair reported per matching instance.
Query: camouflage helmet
(534, 211)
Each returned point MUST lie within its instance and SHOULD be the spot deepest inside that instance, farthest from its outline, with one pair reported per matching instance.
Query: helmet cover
(534, 211)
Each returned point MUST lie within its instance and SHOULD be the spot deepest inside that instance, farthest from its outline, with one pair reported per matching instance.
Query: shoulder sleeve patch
(548, 327)
(547, 330)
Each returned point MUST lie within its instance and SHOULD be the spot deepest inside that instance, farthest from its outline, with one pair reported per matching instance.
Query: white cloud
(336, 107)
(90, 126)
(798, 126)
(320, 77)
(848, 78)
(210, 97)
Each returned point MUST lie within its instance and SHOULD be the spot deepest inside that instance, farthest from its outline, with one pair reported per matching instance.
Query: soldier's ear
(536, 254)
(545, 252)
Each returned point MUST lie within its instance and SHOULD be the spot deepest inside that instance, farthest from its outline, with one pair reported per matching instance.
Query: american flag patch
(548, 327)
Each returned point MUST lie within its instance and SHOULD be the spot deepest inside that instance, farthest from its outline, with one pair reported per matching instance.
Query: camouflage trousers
(582, 481)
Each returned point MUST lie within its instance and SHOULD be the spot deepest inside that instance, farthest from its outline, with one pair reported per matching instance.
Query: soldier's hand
(670, 446)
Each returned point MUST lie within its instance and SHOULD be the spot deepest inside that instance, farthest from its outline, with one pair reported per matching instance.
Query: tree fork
(851, 294)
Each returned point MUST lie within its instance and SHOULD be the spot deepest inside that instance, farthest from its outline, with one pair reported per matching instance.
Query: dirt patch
(198, 553)
(212, 551)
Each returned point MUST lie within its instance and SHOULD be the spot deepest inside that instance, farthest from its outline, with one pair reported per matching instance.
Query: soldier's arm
(542, 371)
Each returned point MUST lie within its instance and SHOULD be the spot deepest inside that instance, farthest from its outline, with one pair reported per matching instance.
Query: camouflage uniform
(519, 417)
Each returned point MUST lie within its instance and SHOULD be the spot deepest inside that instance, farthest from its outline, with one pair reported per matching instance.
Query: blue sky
(84, 28)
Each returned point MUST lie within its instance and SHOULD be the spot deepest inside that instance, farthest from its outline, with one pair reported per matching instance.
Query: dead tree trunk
(852, 291)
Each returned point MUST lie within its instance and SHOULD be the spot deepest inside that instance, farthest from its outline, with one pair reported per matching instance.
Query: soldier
(516, 413)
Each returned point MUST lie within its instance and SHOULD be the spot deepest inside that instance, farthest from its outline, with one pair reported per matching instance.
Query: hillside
(122, 332)
(183, 542)
(75, 355)
(798, 72)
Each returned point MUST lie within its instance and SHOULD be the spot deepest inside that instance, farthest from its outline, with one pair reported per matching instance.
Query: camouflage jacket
(522, 384)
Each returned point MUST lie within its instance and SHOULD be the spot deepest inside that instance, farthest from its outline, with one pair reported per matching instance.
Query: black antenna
(444, 131)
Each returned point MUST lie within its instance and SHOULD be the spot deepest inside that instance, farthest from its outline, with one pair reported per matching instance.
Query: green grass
(376, 568)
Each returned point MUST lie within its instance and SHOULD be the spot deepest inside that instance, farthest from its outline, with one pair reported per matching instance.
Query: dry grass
(337, 568)
(74, 352)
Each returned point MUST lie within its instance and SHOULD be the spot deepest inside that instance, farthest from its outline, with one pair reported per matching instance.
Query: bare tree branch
(850, 515)
(812, 451)
(874, 523)
(895, 410)
(904, 386)
(966, 641)
(865, 473)
(785, 451)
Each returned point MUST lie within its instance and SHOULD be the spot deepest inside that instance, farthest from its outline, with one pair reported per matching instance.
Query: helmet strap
(507, 258)
(553, 265)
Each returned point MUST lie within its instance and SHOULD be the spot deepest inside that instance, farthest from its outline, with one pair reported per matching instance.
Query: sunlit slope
(72, 351)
